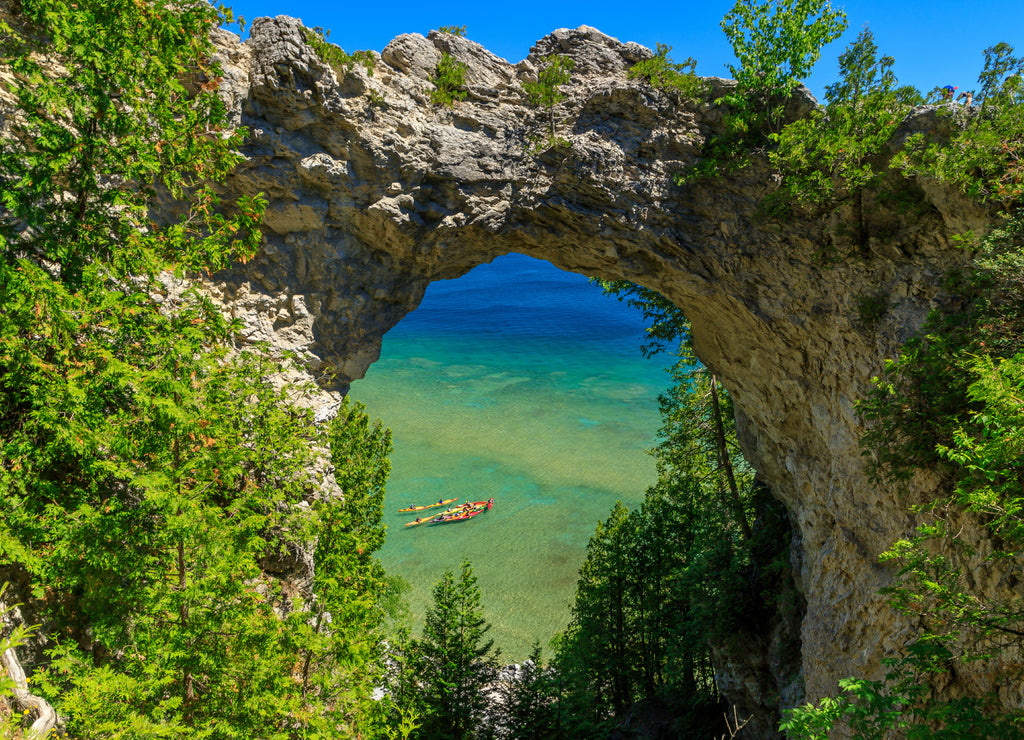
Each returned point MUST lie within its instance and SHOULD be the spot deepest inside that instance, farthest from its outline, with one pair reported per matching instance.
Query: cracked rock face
(374, 193)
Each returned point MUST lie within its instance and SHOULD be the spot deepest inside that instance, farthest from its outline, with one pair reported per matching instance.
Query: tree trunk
(725, 463)
(186, 674)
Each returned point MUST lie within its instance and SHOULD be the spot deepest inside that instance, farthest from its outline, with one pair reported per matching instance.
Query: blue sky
(934, 43)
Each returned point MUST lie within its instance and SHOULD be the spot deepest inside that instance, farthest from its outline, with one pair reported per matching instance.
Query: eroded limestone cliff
(374, 193)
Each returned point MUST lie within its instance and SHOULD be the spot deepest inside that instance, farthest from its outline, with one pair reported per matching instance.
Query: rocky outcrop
(374, 193)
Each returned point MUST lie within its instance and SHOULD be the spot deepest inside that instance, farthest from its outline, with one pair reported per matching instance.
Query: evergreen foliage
(837, 153)
(456, 663)
(702, 561)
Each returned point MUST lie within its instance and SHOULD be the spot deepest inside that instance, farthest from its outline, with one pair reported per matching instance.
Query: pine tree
(456, 663)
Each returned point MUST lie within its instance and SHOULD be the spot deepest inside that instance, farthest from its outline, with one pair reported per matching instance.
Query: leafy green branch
(663, 73)
(336, 57)
(776, 44)
(453, 30)
(449, 81)
(836, 155)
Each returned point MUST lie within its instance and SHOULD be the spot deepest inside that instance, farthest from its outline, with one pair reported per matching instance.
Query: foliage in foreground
(153, 475)
(776, 44)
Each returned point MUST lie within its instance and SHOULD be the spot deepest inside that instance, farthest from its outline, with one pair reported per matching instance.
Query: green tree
(449, 81)
(456, 663)
(344, 625)
(665, 326)
(999, 82)
(776, 44)
(984, 155)
(598, 630)
(556, 70)
(950, 403)
(835, 155)
(702, 563)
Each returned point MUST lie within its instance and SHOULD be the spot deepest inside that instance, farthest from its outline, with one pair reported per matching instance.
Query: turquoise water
(523, 383)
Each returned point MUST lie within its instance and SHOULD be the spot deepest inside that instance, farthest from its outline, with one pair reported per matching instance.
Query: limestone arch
(374, 193)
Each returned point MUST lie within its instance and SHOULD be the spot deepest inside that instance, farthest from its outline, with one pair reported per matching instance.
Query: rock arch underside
(374, 193)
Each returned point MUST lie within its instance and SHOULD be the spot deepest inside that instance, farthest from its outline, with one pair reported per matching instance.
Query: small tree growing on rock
(449, 82)
(546, 94)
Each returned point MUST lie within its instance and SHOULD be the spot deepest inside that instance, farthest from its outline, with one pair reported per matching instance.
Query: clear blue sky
(934, 43)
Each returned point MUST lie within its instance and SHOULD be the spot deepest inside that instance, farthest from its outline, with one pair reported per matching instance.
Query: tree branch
(23, 698)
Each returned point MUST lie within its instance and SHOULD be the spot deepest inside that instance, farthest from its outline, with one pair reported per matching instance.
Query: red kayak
(470, 511)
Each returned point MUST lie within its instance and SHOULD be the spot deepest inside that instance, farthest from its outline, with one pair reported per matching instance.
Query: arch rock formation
(374, 193)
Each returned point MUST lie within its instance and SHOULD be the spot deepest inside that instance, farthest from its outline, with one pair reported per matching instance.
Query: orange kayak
(437, 517)
(468, 512)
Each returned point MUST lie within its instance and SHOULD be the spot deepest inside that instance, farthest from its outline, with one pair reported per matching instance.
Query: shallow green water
(550, 415)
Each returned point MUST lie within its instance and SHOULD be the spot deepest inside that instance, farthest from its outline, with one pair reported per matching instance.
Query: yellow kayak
(416, 521)
(429, 506)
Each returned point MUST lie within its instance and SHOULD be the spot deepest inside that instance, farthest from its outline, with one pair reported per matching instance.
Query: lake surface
(523, 383)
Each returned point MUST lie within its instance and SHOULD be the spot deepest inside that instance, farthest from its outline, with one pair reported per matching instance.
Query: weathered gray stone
(374, 194)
